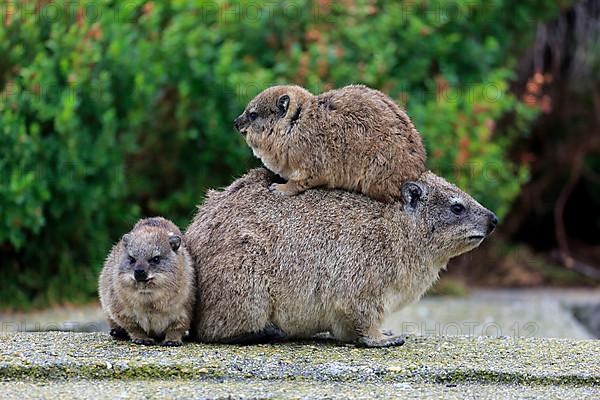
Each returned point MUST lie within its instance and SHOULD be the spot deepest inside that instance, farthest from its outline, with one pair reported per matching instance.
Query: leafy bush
(114, 110)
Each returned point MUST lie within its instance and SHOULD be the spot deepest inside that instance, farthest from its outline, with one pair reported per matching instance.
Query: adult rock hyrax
(354, 138)
(273, 267)
(147, 285)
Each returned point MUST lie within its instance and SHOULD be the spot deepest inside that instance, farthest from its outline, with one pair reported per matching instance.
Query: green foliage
(114, 110)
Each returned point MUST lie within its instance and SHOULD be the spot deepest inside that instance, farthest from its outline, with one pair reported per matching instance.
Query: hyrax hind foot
(290, 188)
(384, 339)
(299, 185)
(173, 338)
(269, 334)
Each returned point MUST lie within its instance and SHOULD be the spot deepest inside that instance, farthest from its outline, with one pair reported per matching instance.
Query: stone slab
(90, 365)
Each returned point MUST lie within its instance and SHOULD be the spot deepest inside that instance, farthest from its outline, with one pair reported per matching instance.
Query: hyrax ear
(283, 102)
(174, 241)
(412, 193)
(126, 239)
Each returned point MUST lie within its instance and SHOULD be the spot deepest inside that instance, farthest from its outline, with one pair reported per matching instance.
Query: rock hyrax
(272, 267)
(354, 138)
(147, 285)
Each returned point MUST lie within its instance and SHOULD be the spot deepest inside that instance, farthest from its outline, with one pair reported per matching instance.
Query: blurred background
(114, 110)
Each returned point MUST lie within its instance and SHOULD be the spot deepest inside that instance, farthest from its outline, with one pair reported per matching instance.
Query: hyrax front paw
(383, 341)
(172, 343)
(286, 189)
(144, 341)
(119, 333)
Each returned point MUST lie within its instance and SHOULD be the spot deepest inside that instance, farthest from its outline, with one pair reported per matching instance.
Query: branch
(576, 265)
(559, 206)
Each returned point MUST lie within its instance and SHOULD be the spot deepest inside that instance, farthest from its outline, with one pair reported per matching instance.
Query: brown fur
(325, 260)
(354, 138)
(161, 308)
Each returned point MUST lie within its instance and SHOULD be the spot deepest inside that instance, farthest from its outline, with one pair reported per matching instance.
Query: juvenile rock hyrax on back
(147, 285)
(273, 267)
(354, 138)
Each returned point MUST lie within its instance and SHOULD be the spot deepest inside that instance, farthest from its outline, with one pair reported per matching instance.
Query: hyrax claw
(286, 189)
(172, 343)
(144, 342)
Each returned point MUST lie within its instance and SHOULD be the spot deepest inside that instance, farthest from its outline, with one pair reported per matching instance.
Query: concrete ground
(245, 389)
(446, 356)
(90, 365)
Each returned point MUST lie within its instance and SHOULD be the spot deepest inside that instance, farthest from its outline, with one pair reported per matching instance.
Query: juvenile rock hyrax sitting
(147, 285)
(273, 267)
(353, 138)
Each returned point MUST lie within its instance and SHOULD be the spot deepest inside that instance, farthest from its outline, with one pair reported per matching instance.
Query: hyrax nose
(237, 123)
(492, 222)
(140, 275)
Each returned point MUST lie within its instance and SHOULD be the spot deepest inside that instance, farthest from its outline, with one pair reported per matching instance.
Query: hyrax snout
(272, 267)
(147, 284)
(354, 138)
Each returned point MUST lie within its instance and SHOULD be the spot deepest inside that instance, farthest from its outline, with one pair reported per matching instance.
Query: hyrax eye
(131, 260)
(253, 116)
(155, 260)
(457, 208)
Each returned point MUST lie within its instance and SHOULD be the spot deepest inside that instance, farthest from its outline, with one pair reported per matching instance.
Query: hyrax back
(353, 138)
(276, 266)
(147, 285)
